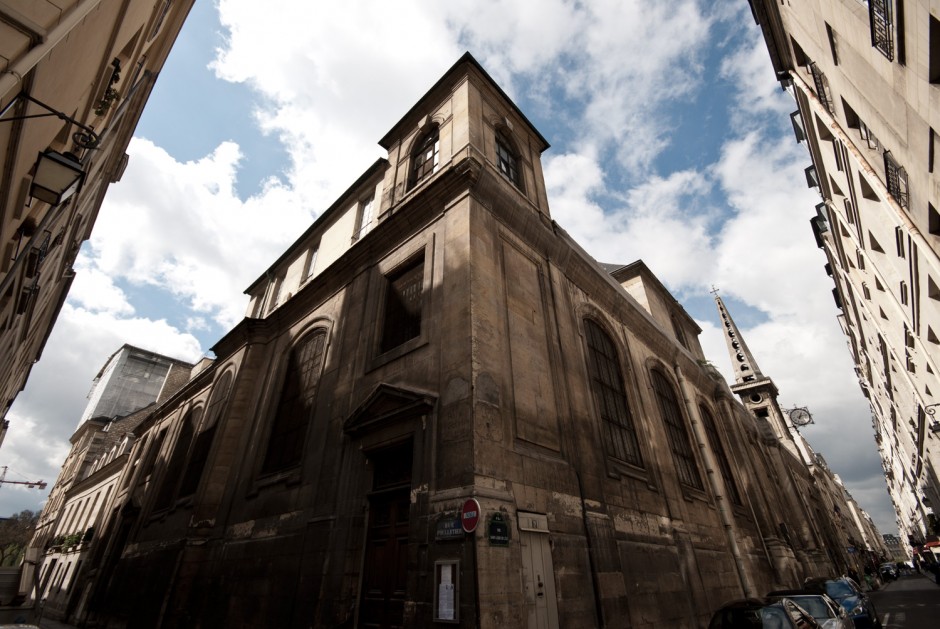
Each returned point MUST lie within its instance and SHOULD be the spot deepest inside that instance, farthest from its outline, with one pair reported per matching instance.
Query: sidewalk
(929, 577)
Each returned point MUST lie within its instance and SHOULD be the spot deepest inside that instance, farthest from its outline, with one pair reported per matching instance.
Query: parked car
(828, 613)
(849, 595)
(753, 613)
(888, 571)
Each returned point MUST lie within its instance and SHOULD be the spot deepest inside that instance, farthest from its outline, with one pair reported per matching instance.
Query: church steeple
(745, 367)
(758, 393)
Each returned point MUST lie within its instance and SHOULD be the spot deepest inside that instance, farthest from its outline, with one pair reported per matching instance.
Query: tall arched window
(203, 443)
(174, 467)
(720, 455)
(425, 158)
(679, 439)
(620, 438)
(295, 408)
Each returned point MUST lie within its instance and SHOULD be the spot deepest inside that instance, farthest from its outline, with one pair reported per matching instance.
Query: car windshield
(815, 605)
(774, 618)
(839, 589)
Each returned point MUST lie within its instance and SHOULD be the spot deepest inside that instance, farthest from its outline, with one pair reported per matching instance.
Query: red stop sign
(470, 515)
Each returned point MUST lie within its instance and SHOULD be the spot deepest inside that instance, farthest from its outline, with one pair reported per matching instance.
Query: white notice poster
(445, 594)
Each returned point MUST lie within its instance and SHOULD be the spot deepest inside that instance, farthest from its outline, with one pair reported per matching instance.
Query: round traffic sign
(470, 515)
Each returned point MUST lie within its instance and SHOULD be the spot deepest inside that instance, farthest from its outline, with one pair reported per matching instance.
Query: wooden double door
(385, 566)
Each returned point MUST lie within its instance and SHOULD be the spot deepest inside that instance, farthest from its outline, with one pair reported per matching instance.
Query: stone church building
(441, 411)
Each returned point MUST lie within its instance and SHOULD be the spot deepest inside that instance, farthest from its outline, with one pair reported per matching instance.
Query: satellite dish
(800, 416)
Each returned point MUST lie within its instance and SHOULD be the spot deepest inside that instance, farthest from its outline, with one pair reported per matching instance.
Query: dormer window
(507, 159)
(425, 159)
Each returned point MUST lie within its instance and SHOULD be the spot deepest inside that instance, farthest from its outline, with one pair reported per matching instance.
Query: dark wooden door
(386, 562)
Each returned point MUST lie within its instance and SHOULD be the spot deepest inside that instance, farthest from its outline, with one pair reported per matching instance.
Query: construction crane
(36, 484)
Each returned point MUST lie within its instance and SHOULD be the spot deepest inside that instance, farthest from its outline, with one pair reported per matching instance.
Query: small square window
(833, 44)
(404, 301)
(934, 58)
(311, 264)
(426, 157)
(507, 158)
(364, 217)
(933, 220)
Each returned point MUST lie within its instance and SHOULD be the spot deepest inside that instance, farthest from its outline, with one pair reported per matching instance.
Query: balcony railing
(896, 178)
(822, 86)
(882, 27)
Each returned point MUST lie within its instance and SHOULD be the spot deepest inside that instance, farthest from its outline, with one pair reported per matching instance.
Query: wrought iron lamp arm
(86, 138)
(931, 409)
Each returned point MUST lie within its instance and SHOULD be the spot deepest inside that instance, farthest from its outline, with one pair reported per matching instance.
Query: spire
(758, 392)
(745, 367)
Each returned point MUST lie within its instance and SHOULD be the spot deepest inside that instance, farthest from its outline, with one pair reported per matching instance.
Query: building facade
(74, 78)
(865, 79)
(851, 539)
(130, 385)
(441, 409)
(897, 550)
(131, 379)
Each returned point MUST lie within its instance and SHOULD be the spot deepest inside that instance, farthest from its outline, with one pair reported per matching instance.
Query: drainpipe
(13, 76)
(592, 564)
(717, 486)
(729, 411)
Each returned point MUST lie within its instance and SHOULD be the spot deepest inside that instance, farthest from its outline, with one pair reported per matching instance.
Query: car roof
(743, 603)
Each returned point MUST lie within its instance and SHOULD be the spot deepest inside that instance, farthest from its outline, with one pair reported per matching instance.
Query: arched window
(679, 439)
(295, 408)
(720, 455)
(425, 158)
(620, 438)
(203, 443)
(507, 159)
(175, 465)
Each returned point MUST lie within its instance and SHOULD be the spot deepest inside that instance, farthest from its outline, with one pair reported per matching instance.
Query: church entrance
(385, 569)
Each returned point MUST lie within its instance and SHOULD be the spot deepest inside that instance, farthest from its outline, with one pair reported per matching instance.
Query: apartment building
(74, 78)
(866, 80)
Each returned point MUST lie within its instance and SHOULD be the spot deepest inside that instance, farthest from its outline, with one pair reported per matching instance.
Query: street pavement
(911, 602)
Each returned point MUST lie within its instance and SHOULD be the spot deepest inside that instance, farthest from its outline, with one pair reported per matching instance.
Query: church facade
(441, 411)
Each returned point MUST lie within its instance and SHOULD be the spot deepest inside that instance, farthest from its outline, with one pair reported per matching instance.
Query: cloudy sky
(670, 142)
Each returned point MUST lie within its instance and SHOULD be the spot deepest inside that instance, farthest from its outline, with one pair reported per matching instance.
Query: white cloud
(757, 89)
(95, 290)
(618, 61)
(180, 227)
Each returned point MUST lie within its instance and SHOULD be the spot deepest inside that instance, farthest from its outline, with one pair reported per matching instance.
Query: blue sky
(670, 142)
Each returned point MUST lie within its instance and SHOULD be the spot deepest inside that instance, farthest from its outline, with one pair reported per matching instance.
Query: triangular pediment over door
(385, 406)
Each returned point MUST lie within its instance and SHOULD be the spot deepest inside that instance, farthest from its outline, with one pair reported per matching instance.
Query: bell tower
(758, 392)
